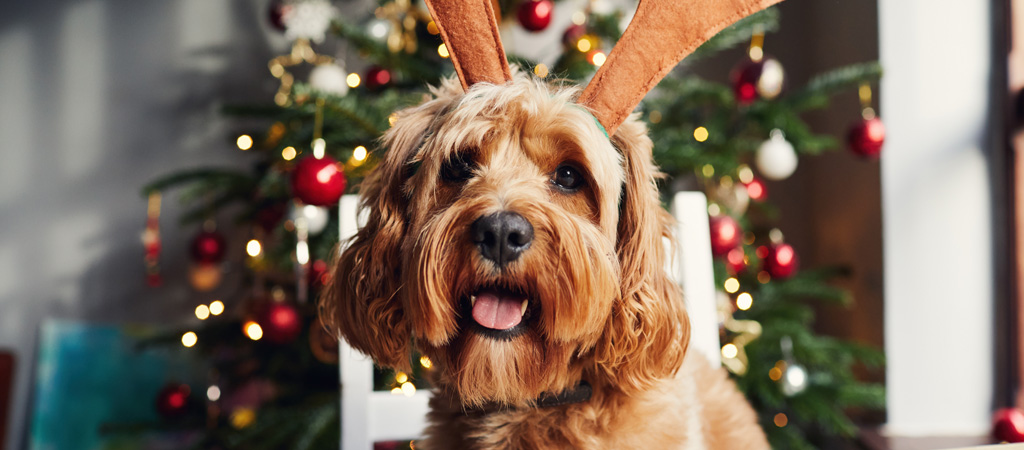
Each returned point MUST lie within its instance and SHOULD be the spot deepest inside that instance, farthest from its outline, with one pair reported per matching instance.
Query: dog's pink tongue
(496, 311)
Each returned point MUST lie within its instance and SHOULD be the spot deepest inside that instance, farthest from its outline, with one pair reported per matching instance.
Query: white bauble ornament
(308, 19)
(776, 159)
(316, 217)
(329, 79)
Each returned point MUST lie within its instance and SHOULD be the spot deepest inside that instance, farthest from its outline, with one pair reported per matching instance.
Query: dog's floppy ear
(362, 302)
(648, 331)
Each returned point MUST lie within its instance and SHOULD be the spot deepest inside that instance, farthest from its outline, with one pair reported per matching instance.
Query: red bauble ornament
(573, 34)
(866, 137)
(276, 14)
(377, 77)
(281, 322)
(535, 15)
(1008, 425)
(725, 234)
(318, 182)
(757, 79)
(781, 261)
(172, 400)
(756, 190)
(735, 261)
(208, 247)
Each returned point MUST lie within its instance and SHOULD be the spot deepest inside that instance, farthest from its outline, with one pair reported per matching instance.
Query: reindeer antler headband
(660, 35)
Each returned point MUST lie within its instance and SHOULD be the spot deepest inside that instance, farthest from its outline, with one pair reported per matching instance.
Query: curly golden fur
(601, 309)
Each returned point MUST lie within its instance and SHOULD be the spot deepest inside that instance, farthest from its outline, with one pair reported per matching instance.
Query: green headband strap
(596, 122)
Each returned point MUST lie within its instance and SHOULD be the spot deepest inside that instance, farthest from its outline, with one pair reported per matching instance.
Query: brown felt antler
(470, 31)
(660, 35)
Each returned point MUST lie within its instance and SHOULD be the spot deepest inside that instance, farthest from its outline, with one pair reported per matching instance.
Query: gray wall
(96, 98)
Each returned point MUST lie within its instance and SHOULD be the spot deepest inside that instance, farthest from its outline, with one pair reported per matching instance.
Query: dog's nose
(502, 237)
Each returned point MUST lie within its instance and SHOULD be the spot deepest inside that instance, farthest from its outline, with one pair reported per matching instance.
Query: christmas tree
(271, 367)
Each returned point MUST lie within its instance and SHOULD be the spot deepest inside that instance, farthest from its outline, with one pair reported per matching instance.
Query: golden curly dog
(521, 249)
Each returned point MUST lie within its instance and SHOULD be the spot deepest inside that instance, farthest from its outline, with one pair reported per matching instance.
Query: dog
(515, 244)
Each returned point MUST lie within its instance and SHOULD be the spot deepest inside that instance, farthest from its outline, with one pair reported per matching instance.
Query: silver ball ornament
(329, 79)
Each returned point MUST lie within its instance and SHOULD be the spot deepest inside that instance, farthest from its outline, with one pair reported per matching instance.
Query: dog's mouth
(498, 312)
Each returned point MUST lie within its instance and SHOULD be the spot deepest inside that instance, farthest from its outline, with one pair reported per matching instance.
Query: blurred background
(870, 242)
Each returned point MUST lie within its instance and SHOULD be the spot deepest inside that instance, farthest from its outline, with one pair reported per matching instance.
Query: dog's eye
(457, 169)
(568, 177)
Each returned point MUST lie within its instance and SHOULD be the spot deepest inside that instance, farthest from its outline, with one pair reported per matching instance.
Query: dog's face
(516, 245)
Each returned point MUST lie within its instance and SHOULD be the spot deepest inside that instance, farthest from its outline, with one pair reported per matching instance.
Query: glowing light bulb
(253, 248)
(359, 153)
(408, 389)
(598, 58)
(253, 330)
(213, 393)
(700, 134)
(443, 51)
(729, 351)
(289, 153)
(583, 45)
(244, 142)
(425, 362)
(353, 80)
(202, 312)
(401, 377)
(216, 307)
(189, 339)
(732, 285)
(744, 301)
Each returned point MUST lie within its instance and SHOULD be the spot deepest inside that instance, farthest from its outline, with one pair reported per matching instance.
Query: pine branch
(818, 91)
(737, 34)
(225, 176)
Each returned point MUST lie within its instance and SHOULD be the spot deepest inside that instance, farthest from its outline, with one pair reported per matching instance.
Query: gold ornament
(243, 417)
(748, 331)
(403, 17)
(301, 52)
(204, 277)
(734, 354)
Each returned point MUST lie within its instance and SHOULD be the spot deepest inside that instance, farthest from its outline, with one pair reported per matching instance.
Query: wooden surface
(874, 439)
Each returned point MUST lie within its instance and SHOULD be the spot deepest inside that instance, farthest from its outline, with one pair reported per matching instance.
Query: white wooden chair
(368, 416)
